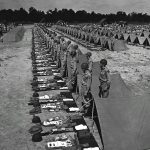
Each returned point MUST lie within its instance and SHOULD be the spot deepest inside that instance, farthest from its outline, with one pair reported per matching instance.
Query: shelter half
(146, 43)
(141, 40)
(119, 45)
(123, 117)
(126, 35)
(14, 35)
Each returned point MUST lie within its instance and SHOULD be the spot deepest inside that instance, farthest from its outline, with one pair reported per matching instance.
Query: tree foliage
(68, 15)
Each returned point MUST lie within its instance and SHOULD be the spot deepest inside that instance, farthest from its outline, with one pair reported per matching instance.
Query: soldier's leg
(105, 94)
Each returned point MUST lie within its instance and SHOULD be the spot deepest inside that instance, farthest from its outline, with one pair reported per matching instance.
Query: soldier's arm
(74, 67)
(90, 65)
(108, 75)
(88, 83)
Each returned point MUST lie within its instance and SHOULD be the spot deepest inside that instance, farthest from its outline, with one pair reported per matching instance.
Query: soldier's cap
(59, 37)
(55, 40)
(37, 137)
(89, 54)
(36, 119)
(75, 47)
(35, 78)
(35, 129)
(68, 42)
(84, 66)
(64, 47)
(73, 52)
(62, 39)
(35, 94)
(58, 42)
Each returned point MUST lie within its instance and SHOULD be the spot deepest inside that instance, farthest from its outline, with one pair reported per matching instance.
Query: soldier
(72, 69)
(78, 52)
(63, 57)
(90, 61)
(54, 50)
(62, 41)
(104, 79)
(58, 53)
(85, 84)
(68, 44)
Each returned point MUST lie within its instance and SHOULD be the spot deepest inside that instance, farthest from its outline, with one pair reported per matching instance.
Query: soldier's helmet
(103, 62)
(68, 42)
(58, 41)
(59, 37)
(62, 39)
(84, 66)
(75, 47)
(73, 53)
(88, 54)
(55, 41)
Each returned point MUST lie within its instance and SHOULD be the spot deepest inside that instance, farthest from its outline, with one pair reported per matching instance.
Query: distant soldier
(62, 41)
(78, 52)
(90, 61)
(63, 57)
(68, 44)
(85, 83)
(58, 53)
(54, 50)
(51, 44)
(72, 70)
(104, 79)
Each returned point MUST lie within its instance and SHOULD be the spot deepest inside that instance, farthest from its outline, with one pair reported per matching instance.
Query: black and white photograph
(74, 74)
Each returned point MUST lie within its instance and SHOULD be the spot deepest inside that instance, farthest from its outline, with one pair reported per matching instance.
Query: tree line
(68, 15)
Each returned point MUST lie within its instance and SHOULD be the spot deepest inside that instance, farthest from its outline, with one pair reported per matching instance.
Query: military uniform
(85, 82)
(58, 55)
(63, 57)
(104, 83)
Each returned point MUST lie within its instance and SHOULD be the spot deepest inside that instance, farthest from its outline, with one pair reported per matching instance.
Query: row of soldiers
(67, 56)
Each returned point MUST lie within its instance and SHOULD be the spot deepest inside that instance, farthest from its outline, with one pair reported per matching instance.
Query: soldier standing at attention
(58, 53)
(63, 58)
(78, 52)
(72, 72)
(104, 79)
(90, 61)
(85, 84)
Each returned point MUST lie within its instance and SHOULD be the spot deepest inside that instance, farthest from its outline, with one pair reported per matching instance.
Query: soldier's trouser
(104, 89)
(63, 68)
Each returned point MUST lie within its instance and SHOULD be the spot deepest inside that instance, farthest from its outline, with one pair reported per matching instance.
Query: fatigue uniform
(58, 55)
(73, 65)
(63, 58)
(54, 51)
(104, 83)
(78, 53)
(90, 63)
(85, 82)
(72, 68)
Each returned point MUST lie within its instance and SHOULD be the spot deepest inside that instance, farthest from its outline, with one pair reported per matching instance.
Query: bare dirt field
(15, 91)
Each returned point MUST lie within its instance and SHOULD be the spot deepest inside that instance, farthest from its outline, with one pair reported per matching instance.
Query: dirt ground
(15, 91)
